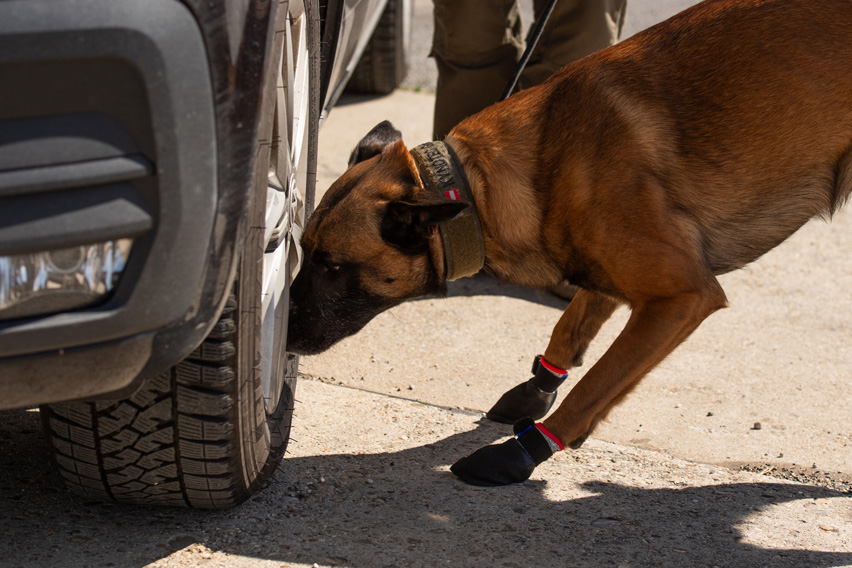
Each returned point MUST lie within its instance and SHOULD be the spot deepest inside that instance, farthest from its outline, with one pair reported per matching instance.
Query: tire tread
(195, 435)
(171, 443)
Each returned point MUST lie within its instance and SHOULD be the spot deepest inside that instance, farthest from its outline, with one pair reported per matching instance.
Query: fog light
(57, 280)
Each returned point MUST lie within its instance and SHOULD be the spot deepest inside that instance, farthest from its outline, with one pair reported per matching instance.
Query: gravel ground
(836, 481)
(366, 484)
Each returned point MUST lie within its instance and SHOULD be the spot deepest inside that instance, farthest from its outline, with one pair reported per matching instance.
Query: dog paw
(512, 461)
(530, 399)
(525, 399)
(499, 464)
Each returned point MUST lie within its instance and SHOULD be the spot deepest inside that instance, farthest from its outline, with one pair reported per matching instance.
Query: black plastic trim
(48, 221)
(143, 65)
(239, 41)
(70, 374)
(188, 90)
(63, 176)
(67, 132)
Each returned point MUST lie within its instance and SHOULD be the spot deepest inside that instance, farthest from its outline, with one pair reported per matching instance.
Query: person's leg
(575, 29)
(476, 46)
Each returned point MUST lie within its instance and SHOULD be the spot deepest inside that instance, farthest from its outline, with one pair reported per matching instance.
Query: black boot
(532, 398)
(513, 461)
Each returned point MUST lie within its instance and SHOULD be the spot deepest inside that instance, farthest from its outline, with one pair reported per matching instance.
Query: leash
(536, 35)
(441, 172)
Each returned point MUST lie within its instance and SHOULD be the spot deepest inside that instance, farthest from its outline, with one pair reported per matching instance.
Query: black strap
(544, 378)
(532, 440)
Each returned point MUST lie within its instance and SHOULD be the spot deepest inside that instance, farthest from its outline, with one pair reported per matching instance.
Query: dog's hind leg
(581, 321)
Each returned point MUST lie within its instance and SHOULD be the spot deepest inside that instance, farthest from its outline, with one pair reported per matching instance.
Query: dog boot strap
(536, 440)
(531, 398)
(547, 376)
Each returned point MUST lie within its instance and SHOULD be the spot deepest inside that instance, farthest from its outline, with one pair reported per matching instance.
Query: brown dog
(639, 173)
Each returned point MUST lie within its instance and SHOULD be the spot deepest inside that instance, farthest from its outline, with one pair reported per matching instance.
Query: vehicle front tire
(211, 431)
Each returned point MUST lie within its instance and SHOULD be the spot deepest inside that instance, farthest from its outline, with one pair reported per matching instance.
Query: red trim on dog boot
(552, 440)
(537, 440)
(552, 368)
(547, 377)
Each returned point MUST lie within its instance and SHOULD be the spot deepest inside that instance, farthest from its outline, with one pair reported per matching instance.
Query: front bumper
(87, 84)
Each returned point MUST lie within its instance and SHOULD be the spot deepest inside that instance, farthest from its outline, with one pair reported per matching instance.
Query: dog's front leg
(578, 325)
(654, 329)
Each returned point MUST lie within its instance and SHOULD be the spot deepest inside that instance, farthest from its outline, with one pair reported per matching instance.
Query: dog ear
(383, 134)
(407, 225)
(400, 158)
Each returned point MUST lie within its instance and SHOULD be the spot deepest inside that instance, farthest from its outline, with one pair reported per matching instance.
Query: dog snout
(323, 311)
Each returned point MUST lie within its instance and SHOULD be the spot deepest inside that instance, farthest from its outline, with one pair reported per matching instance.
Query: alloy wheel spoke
(286, 178)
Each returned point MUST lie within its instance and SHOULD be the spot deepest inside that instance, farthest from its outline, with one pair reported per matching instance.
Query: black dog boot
(532, 398)
(512, 461)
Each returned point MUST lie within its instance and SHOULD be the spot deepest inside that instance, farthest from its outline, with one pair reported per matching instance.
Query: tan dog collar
(464, 246)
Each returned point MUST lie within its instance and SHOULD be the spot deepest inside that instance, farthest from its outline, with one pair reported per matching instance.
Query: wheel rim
(284, 202)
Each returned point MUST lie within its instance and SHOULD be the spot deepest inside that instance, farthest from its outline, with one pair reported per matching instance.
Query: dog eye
(323, 260)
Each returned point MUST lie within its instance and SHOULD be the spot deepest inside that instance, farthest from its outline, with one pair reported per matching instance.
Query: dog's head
(371, 244)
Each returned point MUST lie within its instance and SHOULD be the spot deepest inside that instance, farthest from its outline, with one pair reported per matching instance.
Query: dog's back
(750, 94)
(777, 121)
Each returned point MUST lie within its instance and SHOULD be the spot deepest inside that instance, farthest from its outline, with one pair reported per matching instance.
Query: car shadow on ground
(398, 508)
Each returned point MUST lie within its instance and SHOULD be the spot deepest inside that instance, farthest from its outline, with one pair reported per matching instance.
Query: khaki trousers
(477, 44)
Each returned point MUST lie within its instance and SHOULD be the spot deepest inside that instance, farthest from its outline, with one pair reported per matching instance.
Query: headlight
(57, 280)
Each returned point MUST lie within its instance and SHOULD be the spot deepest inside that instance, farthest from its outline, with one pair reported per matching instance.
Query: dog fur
(639, 173)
